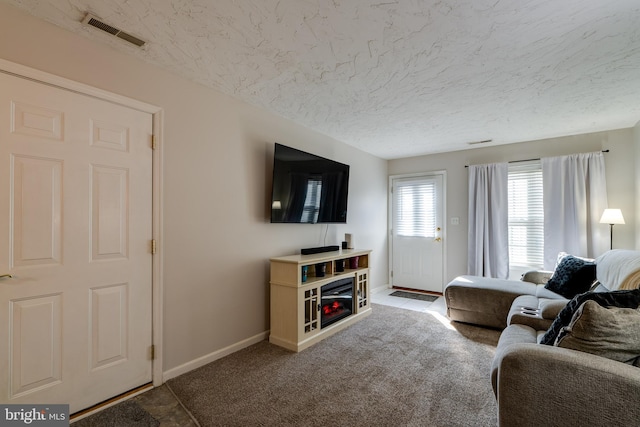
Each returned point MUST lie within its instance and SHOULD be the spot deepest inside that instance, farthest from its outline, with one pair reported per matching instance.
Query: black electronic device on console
(319, 250)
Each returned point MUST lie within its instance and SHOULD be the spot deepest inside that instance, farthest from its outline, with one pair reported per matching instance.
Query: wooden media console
(311, 296)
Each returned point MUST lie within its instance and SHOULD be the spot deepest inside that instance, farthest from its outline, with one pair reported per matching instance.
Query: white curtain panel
(488, 221)
(574, 197)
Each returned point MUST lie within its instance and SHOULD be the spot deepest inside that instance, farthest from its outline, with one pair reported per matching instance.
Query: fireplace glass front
(337, 301)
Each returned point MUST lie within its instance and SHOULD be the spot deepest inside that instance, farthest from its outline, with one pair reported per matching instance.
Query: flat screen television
(308, 189)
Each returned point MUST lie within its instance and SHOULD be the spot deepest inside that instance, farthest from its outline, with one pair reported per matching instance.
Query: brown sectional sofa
(491, 302)
(543, 385)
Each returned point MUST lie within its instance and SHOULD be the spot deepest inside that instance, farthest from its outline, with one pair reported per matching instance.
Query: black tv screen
(308, 188)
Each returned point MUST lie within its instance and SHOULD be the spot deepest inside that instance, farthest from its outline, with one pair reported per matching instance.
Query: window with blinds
(526, 215)
(415, 208)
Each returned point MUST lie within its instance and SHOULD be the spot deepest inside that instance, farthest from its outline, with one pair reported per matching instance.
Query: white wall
(636, 144)
(621, 173)
(217, 179)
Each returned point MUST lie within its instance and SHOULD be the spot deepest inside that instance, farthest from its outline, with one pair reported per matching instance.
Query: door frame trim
(443, 174)
(22, 71)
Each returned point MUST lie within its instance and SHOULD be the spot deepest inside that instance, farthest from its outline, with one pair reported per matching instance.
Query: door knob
(5, 276)
(437, 239)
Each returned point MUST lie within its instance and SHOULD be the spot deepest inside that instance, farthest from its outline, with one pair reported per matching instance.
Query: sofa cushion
(572, 276)
(550, 308)
(623, 299)
(542, 292)
(483, 301)
(613, 332)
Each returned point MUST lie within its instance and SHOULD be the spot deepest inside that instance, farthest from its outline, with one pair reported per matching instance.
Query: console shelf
(296, 299)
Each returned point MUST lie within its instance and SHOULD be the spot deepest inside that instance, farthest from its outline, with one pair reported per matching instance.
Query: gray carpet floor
(395, 368)
(129, 414)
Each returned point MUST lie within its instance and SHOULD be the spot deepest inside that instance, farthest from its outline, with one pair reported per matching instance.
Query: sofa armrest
(540, 385)
(550, 308)
(539, 277)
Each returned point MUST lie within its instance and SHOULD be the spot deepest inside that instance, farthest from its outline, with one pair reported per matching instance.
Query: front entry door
(416, 233)
(75, 232)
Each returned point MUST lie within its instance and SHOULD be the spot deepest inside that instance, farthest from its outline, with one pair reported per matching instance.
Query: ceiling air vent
(94, 21)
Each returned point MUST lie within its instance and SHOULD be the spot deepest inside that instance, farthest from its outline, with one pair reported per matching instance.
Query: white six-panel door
(75, 232)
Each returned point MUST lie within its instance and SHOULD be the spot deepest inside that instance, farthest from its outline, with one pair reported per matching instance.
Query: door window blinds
(415, 208)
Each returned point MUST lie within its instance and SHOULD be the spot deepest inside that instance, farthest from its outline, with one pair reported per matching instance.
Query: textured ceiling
(395, 78)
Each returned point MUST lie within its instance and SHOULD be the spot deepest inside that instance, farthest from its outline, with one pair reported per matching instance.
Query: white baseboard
(380, 289)
(219, 354)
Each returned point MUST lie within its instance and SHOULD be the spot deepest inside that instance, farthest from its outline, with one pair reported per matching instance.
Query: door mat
(412, 295)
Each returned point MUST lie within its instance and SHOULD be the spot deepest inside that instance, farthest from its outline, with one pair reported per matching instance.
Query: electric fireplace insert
(337, 301)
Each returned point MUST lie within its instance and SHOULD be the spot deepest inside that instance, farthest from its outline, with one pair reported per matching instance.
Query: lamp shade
(612, 216)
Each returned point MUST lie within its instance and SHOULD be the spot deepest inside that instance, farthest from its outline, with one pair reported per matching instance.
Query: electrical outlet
(455, 220)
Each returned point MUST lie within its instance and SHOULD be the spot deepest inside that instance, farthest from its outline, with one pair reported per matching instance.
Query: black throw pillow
(573, 276)
(622, 299)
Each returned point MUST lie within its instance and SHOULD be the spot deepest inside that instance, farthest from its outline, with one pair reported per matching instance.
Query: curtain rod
(530, 160)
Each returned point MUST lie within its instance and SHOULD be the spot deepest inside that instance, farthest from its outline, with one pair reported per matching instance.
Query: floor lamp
(611, 217)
